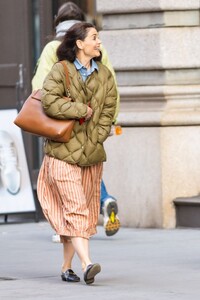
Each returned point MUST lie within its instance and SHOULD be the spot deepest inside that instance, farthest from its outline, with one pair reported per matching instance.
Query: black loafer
(69, 276)
(91, 271)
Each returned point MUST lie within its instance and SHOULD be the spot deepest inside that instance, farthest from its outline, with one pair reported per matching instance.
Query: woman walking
(70, 175)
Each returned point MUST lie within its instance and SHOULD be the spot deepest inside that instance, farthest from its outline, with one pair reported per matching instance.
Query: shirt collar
(79, 65)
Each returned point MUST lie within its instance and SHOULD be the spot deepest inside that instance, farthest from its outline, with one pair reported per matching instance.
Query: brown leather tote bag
(33, 119)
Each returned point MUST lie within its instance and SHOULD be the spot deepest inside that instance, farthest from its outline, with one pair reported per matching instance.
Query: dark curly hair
(68, 48)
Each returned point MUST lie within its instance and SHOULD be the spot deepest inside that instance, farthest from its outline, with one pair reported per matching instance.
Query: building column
(154, 47)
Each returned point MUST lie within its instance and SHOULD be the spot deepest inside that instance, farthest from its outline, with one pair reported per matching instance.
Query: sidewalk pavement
(137, 264)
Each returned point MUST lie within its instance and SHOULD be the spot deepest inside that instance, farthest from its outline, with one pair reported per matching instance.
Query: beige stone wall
(154, 46)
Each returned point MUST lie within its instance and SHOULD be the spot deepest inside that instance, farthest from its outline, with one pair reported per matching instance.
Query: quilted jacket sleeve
(105, 61)
(53, 100)
(109, 108)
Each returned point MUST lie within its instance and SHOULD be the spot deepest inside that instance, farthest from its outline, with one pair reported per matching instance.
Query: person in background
(69, 180)
(68, 15)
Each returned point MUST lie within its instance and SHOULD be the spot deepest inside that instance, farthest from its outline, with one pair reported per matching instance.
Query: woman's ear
(79, 44)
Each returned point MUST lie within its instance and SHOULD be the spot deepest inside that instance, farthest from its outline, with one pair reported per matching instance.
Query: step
(187, 211)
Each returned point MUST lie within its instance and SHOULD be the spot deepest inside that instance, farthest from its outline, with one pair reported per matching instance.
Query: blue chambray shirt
(83, 70)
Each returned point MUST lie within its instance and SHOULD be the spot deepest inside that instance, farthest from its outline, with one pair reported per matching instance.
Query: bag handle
(66, 73)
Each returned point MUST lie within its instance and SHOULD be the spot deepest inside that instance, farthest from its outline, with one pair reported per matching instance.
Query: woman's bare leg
(81, 246)
(68, 254)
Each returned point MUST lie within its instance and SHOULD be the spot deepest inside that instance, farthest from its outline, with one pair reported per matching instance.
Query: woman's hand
(89, 113)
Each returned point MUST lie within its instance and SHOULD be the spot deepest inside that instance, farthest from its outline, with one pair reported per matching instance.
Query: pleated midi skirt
(70, 197)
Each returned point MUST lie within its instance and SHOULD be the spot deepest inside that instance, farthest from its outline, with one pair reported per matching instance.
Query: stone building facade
(154, 46)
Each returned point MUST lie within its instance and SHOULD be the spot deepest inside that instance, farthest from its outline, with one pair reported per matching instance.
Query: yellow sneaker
(110, 217)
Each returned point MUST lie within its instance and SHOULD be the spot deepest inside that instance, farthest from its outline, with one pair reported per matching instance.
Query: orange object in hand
(118, 130)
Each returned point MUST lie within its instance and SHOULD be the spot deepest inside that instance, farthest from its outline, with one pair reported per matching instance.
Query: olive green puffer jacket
(85, 147)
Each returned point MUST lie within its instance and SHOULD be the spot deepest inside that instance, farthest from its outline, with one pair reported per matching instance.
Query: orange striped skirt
(70, 196)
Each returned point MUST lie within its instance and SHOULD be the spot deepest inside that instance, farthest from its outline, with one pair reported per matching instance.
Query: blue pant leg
(104, 194)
